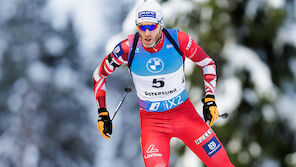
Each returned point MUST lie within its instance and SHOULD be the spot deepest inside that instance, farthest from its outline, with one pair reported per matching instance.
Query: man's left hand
(210, 110)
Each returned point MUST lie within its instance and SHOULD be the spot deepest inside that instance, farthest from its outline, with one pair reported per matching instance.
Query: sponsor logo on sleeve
(212, 146)
(118, 51)
(189, 43)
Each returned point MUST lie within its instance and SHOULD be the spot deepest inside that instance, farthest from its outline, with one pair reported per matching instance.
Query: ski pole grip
(127, 89)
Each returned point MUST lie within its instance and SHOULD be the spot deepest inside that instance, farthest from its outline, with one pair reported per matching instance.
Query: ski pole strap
(167, 34)
(130, 60)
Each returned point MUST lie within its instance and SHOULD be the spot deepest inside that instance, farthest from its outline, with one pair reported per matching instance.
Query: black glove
(210, 110)
(104, 123)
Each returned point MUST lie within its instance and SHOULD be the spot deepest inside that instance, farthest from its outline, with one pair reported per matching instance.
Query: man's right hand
(210, 110)
(104, 123)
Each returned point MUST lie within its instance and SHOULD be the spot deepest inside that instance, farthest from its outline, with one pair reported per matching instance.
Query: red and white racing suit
(167, 113)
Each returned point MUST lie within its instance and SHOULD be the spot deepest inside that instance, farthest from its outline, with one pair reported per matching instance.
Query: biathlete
(155, 57)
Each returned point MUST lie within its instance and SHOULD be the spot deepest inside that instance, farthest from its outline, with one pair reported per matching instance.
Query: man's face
(149, 38)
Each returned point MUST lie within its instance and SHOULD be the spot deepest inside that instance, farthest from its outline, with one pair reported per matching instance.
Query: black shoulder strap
(167, 34)
(131, 57)
(136, 38)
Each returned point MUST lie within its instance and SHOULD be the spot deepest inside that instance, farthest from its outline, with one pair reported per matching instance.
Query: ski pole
(127, 90)
(224, 115)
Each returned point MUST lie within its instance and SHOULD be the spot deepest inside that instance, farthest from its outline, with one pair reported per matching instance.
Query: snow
(286, 35)
(174, 9)
(242, 58)
(250, 96)
(292, 65)
(291, 159)
(31, 156)
(235, 145)
(255, 149)
(269, 113)
(14, 102)
(38, 72)
(243, 157)
(32, 50)
(129, 25)
(189, 159)
(65, 77)
(252, 8)
(254, 5)
(228, 94)
(229, 91)
(201, 1)
(88, 19)
(275, 3)
(7, 10)
(268, 162)
(93, 27)
(223, 3)
(55, 45)
(285, 106)
(3, 46)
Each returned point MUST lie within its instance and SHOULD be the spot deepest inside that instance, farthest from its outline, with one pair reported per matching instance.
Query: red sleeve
(120, 52)
(110, 63)
(194, 52)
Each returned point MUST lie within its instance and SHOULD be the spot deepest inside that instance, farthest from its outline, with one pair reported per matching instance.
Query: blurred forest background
(50, 48)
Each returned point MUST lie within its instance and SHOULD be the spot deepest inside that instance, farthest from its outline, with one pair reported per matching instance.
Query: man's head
(149, 11)
(149, 21)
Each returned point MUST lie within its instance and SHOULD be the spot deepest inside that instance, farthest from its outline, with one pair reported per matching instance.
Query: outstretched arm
(194, 52)
(109, 64)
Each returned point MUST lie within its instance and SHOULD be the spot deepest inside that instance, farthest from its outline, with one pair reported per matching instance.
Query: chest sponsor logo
(152, 151)
(212, 146)
(155, 65)
(169, 46)
(203, 137)
(137, 50)
(161, 93)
